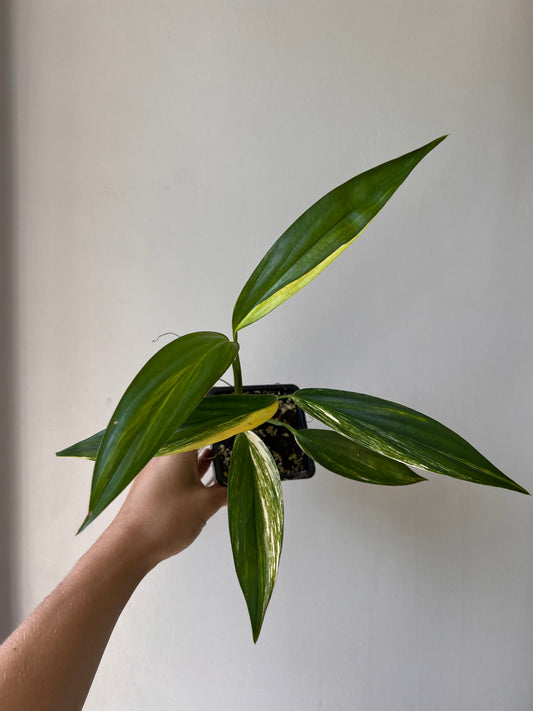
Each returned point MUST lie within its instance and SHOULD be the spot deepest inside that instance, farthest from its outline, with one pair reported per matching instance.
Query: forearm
(49, 662)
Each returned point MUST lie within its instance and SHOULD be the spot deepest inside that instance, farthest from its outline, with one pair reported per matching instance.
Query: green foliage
(255, 513)
(398, 432)
(160, 398)
(342, 456)
(320, 235)
(370, 440)
(214, 419)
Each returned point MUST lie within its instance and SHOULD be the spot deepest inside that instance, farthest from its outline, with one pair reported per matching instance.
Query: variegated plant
(368, 439)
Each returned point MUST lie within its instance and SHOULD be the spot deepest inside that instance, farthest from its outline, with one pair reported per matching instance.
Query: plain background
(156, 150)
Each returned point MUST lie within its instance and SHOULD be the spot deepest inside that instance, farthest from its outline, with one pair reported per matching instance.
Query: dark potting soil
(291, 461)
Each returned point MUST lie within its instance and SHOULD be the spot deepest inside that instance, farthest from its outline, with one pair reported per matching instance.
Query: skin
(50, 660)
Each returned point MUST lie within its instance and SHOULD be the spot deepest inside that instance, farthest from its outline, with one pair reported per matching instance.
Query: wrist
(129, 548)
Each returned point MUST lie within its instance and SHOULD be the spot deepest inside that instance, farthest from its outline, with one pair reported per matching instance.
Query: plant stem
(279, 423)
(237, 375)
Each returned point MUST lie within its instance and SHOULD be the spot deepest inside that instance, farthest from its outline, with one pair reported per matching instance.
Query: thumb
(217, 497)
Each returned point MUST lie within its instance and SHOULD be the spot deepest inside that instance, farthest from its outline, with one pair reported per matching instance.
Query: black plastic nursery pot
(292, 462)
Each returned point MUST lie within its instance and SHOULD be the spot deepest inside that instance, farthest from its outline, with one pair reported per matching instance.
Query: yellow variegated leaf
(320, 235)
(215, 419)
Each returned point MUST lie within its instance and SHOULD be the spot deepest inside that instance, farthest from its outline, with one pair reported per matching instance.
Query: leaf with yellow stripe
(320, 235)
(216, 418)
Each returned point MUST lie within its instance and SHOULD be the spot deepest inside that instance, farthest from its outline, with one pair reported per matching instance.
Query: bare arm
(49, 662)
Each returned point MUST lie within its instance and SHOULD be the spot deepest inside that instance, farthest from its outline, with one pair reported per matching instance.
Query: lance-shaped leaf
(216, 418)
(160, 398)
(347, 458)
(255, 512)
(320, 235)
(401, 433)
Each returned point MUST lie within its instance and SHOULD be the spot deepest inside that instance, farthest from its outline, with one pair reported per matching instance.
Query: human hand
(168, 505)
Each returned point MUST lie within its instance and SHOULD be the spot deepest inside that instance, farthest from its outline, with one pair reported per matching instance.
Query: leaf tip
(513, 486)
(438, 140)
(89, 519)
(256, 631)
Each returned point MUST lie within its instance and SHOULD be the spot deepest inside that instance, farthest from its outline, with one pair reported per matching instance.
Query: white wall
(7, 328)
(161, 147)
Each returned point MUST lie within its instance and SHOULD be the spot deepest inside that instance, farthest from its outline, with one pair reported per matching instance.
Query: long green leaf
(318, 236)
(216, 418)
(160, 398)
(347, 458)
(398, 432)
(255, 512)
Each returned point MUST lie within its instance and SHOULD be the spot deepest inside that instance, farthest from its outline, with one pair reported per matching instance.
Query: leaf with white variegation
(255, 512)
(401, 433)
(343, 456)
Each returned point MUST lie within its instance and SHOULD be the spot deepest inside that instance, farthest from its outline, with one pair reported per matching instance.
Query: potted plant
(291, 461)
(367, 439)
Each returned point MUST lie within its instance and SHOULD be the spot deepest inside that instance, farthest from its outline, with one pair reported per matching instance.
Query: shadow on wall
(6, 329)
